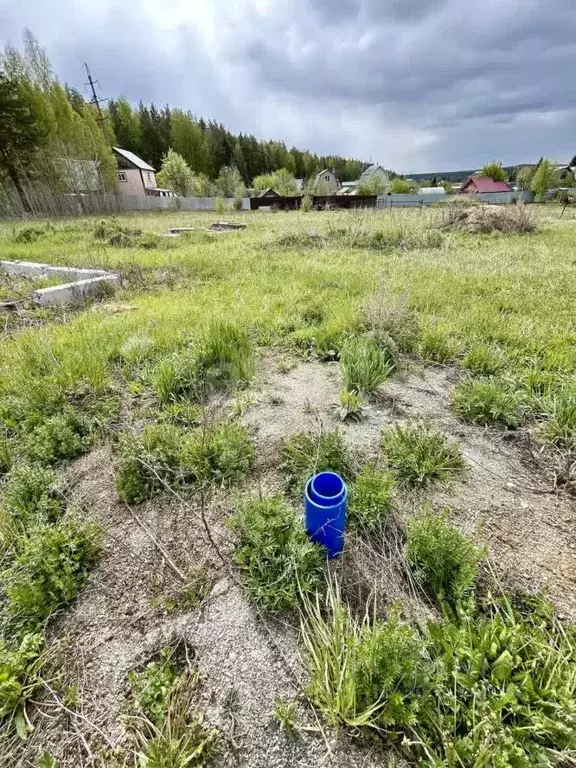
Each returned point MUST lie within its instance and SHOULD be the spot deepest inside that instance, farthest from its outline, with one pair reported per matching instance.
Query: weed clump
(58, 438)
(366, 673)
(176, 377)
(350, 407)
(322, 341)
(49, 570)
(560, 424)
(305, 454)
(384, 314)
(225, 355)
(437, 347)
(364, 365)
(445, 559)
(111, 232)
(487, 403)
(28, 234)
(280, 564)
(482, 360)
(166, 455)
(20, 667)
(416, 455)
(168, 729)
(31, 494)
(370, 501)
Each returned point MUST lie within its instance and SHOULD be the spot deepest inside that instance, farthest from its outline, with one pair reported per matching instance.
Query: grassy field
(162, 373)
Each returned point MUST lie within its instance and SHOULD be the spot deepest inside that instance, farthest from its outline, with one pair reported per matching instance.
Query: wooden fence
(319, 202)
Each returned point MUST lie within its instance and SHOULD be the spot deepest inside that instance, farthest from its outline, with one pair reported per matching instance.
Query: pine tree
(126, 125)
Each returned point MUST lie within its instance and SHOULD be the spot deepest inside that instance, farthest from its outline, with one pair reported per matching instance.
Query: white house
(326, 183)
(375, 172)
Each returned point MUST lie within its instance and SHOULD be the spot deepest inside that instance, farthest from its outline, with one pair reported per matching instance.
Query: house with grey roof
(136, 177)
(373, 172)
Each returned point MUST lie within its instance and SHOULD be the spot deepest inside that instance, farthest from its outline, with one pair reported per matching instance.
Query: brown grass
(489, 218)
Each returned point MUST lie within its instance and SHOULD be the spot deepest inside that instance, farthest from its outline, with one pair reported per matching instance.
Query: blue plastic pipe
(326, 499)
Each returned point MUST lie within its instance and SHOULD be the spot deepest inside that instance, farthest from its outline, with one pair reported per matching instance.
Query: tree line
(51, 137)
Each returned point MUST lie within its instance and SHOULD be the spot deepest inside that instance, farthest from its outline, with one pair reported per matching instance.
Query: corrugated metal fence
(419, 201)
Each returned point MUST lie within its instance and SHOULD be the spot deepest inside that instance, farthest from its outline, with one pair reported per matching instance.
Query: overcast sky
(417, 85)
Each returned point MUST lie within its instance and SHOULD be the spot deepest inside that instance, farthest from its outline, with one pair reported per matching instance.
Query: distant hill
(456, 176)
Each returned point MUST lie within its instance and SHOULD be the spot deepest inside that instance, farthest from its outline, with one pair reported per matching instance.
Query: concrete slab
(36, 269)
(72, 293)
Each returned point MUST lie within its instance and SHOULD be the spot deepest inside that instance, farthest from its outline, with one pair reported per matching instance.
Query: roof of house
(269, 192)
(484, 184)
(136, 161)
(326, 170)
(371, 168)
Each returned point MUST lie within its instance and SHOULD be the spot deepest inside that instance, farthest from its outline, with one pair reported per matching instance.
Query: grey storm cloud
(414, 84)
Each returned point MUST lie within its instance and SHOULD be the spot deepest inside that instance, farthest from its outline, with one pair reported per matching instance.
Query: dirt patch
(501, 500)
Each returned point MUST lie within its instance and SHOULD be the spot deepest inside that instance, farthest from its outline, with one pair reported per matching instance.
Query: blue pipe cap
(326, 500)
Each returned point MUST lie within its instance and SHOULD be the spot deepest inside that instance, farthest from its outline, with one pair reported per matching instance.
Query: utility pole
(95, 100)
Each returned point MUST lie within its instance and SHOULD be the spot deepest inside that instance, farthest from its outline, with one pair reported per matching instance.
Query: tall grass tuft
(417, 455)
(487, 403)
(364, 365)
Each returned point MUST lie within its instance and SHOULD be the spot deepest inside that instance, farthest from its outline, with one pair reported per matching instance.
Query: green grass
(417, 455)
(488, 402)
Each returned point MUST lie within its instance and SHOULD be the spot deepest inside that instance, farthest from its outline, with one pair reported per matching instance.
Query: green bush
(19, 679)
(59, 438)
(221, 455)
(50, 569)
(487, 403)
(482, 360)
(370, 500)
(111, 232)
(306, 204)
(144, 461)
(362, 673)
(364, 365)
(279, 562)
(306, 454)
(417, 455)
(31, 494)
(445, 559)
(28, 234)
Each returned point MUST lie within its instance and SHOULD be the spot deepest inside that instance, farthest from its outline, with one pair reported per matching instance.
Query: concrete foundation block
(73, 293)
(36, 269)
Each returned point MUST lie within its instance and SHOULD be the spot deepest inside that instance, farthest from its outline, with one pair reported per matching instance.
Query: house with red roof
(481, 184)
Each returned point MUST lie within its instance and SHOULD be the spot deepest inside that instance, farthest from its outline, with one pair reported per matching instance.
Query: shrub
(31, 494)
(146, 460)
(176, 377)
(350, 407)
(111, 232)
(445, 559)
(279, 562)
(225, 355)
(221, 454)
(59, 438)
(306, 204)
(219, 205)
(437, 347)
(364, 365)
(370, 500)
(50, 569)
(19, 679)
(390, 315)
(486, 403)
(305, 454)
(417, 455)
(482, 360)
(362, 673)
